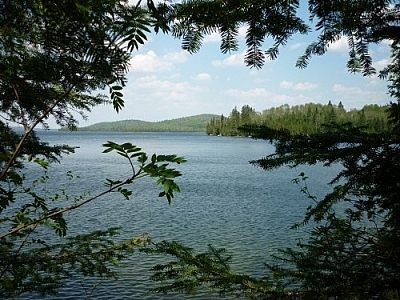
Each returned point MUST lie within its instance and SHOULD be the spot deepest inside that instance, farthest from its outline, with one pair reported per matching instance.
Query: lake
(224, 201)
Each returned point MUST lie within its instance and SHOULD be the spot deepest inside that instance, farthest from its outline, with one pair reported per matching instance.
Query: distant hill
(196, 123)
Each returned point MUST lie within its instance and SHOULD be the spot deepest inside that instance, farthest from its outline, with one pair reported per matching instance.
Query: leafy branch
(130, 27)
(157, 167)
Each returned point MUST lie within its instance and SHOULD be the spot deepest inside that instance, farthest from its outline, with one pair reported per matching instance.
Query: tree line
(300, 119)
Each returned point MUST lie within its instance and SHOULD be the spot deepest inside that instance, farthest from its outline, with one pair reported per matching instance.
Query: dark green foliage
(194, 19)
(230, 125)
(300, 119)
(31, 148)
(157, 167)
(191, 272)
(56, 56)
(362, 22)
(43, 268)
(353, 250)
(391, 73)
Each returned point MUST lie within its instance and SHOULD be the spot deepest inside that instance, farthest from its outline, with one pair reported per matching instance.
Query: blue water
(224, 201)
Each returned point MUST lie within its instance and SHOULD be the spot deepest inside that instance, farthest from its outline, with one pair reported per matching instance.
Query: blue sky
(166, 82)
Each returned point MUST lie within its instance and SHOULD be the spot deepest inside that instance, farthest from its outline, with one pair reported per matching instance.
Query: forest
(195, 123)
(305, 119)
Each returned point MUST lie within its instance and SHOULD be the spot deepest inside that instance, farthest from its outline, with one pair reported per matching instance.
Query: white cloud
(340, 45)
(263, 99)
(304, 86)
(233, 60)
(176, 57)
(243, 31)
(301, 86)
(152, 63)
(385, 46)
(380, 64)
(356, 97)
(340, 88)
(296, 46)
(153, 98)
(257, 92)
(286, 84)
(164, 90)
(203, 76)
(152, 82)
(212, 38)
(148, 62)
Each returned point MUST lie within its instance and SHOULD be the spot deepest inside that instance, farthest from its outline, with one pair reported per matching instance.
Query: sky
(166, 82)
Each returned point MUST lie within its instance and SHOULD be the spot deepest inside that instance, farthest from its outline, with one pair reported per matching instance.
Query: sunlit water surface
(224, 201)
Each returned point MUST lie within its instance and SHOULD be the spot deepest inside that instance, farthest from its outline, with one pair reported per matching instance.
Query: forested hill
(196, 123)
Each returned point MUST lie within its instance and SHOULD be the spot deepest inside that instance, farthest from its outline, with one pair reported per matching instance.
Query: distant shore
(195, 123)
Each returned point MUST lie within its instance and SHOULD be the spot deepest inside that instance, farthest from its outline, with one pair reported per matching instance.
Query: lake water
(224, 201)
